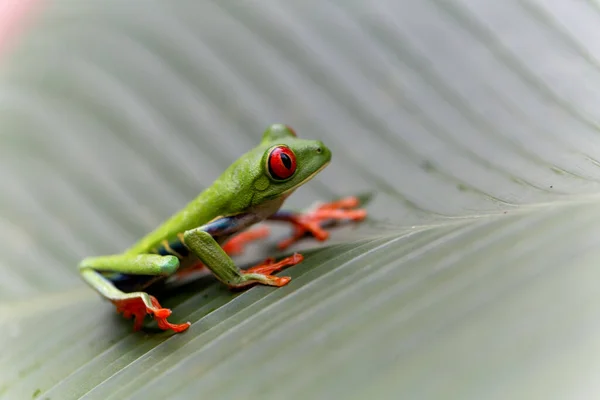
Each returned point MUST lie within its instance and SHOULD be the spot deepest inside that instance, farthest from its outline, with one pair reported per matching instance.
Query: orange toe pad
(136, 309)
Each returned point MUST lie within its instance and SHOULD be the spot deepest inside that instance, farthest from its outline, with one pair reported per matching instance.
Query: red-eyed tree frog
(213, 227)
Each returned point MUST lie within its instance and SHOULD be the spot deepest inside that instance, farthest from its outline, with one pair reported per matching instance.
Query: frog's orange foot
(136, 308)
(269, 266)
(313, 222)
(237, 244)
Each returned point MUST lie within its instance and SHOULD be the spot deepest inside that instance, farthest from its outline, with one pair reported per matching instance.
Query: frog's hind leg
(236, 245)
(136, 304)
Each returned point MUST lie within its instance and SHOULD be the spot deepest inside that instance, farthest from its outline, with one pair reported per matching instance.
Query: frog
(218, 224)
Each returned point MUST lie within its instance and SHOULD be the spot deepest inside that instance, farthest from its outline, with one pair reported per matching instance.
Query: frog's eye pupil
(286, 160)
(281, 163)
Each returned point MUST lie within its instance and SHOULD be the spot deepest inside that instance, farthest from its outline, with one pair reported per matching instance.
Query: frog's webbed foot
(314, 222)
(262, 273)
(138, 306)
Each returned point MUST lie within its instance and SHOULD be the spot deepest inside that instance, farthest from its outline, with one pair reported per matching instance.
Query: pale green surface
(474, 122)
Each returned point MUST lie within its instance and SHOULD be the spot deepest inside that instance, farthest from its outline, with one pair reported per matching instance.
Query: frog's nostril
(319, 150)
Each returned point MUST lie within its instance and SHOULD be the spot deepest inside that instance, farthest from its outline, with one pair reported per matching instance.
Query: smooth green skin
(245, 189)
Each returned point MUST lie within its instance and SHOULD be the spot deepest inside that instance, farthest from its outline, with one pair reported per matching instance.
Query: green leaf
(473, 123)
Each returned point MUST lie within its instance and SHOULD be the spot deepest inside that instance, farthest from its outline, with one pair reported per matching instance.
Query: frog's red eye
(281, 163)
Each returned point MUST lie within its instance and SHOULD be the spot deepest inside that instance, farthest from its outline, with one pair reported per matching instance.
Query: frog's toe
(269, 266)
(314, 223)
(262, 273)
(137, 307)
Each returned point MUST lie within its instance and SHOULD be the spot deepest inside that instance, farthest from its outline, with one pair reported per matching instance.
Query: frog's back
(198, 212)
(229, 194)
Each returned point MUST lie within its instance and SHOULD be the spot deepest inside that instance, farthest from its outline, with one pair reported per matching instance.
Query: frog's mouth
(308, 178)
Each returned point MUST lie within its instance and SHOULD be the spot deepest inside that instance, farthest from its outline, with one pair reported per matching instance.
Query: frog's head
(286, 162)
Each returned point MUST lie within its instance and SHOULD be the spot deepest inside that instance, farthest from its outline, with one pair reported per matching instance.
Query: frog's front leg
(233, 247)
(135, 304)
(201, 241)
(314, 221)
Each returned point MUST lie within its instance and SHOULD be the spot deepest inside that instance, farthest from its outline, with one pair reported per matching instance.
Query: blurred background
(473, 123)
